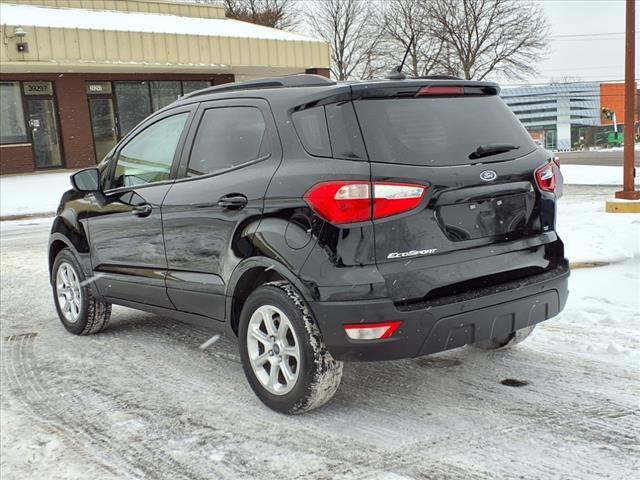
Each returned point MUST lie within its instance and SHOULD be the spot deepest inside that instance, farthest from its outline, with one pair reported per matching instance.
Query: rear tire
(508, 341)
(283, 354)
(79, 311)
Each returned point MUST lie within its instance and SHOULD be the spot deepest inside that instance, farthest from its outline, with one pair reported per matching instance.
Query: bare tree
(349, 28)
(482, 37)
(402, 20)
(270, 13)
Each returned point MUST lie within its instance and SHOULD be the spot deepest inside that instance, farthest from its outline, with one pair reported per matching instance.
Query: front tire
(505, 342)
(79, 311)
(283, 354)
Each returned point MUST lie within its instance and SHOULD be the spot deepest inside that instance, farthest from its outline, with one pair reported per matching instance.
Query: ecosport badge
(411, 253)
(488, 175)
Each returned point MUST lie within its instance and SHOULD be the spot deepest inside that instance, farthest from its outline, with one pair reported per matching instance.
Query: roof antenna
(396, 73)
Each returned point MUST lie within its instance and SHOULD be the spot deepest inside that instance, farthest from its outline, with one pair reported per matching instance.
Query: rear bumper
(446, 323)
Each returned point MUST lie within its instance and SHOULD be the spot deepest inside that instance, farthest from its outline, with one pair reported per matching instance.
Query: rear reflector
(546, 178)
(342, 202)
(437, 90)
(371, 331)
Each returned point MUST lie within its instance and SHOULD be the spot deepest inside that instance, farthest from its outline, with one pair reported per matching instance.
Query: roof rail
(301, 80)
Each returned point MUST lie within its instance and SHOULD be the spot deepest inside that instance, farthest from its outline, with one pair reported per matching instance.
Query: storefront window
(164, 93)
(12, 125)
(192, 86)
(134, 104)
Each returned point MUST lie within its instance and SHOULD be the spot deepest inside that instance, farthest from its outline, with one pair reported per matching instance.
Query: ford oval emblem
(488, 176)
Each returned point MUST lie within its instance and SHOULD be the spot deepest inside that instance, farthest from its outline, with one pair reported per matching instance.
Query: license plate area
(485, 217)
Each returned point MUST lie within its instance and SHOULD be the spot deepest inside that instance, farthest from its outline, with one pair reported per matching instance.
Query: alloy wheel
(274, 349)
(69, 292)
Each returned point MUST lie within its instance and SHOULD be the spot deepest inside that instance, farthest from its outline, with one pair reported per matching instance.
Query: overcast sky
(587, 40)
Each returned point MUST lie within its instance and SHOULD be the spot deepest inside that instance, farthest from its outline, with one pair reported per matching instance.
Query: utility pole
(628, 191)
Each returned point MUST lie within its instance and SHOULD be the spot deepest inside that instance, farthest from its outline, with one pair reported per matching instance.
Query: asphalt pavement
(608, 158)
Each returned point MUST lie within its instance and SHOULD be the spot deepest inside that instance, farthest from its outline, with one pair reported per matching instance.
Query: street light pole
(628, 188)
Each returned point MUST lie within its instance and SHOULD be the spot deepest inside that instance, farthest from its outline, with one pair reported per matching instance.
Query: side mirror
(87, 180)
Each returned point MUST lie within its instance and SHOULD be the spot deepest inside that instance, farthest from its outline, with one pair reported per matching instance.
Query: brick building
(77, 75)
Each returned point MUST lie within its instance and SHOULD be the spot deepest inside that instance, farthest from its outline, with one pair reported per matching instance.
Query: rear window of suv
(439, 131)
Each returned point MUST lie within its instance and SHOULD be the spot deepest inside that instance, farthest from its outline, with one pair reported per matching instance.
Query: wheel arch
(248, 276)
(58, 240)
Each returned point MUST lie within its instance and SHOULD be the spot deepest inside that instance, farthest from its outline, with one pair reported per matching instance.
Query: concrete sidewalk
(32, 194)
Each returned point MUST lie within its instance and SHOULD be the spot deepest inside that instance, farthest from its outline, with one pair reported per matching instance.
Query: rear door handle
(233, 201)
(143, 210)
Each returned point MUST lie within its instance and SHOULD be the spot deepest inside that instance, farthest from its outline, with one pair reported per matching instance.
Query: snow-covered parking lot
(141, 400)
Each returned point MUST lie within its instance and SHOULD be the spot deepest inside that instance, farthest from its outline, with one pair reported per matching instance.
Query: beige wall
(78, 50)
(147, 6)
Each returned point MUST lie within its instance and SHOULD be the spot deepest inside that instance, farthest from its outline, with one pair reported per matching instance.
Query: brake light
(371, 331)
(436, 90)
(546, 178)
(342, 202)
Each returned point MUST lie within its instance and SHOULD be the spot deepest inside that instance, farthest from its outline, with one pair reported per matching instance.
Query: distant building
(77, 75)
(563, 116)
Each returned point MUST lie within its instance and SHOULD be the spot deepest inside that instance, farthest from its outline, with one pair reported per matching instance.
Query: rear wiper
(492, 149)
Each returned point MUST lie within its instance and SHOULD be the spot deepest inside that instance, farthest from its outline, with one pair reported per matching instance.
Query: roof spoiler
(301, 80)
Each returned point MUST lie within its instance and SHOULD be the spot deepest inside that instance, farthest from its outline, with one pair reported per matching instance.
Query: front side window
(12, 125)
(149, 155)
(228, 137)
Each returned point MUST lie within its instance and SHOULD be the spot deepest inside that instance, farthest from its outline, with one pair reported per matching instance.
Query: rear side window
(311, 125)
(228, 137)
(344, 132)
(439, 131)
(330, 131)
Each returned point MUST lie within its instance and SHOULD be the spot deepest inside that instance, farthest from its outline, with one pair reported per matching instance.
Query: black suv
(320, 222)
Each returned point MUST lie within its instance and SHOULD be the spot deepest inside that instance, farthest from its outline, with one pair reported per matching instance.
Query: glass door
(103, 125)
(44, 132)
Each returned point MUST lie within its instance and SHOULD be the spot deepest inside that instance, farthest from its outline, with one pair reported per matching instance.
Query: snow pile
(592, 235)
(604, 303)
(27, 15)
(36, 193)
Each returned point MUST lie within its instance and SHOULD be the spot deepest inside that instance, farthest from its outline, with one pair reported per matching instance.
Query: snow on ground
(592, 235)
(592, 175)
(34, 193)
(141, 400)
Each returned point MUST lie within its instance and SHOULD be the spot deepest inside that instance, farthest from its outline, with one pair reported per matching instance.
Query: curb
(576, 265)
(26, 216)
(617, 206)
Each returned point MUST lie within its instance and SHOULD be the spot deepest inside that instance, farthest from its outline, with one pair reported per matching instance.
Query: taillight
(350, 202)
(341, 202)
(394, 198)
(371, 331)
(546, 178)
(437, 90)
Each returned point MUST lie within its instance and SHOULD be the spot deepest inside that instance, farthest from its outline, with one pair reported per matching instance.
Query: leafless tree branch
(350, 29)
(482, 37)
(270, 13)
